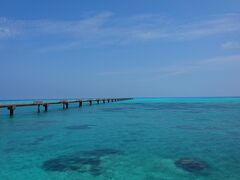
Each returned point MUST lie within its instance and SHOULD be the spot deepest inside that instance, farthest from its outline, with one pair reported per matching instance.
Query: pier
(64, 103)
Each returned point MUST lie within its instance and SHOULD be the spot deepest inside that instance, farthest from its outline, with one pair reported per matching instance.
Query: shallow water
(137, 139)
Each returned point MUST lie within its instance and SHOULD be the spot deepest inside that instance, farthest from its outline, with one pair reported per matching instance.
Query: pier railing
(64, 103)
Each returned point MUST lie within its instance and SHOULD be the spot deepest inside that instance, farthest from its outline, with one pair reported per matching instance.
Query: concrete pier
(65, 104)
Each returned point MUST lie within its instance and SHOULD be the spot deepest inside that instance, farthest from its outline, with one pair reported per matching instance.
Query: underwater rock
(70, 163)
(86, 161)
(79, 127)
(191, 165)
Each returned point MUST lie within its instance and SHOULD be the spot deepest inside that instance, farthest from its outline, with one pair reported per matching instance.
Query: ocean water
(140, 139)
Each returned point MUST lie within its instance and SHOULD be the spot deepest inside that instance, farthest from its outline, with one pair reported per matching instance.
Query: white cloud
(231, 45)
(217, 25)
(82, 27)
(180, 69)
(109, 28)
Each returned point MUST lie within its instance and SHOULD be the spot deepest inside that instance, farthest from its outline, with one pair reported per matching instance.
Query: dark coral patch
(191, 165)
(70, 163)
(79, 127)
(86, 161)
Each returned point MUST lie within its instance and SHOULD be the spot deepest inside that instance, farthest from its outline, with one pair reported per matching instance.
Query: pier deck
(65, 103)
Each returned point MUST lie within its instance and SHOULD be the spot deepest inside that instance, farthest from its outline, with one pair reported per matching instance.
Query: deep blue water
(142, 139)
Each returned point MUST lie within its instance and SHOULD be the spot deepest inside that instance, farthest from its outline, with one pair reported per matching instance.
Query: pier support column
(103, 101)
(38, 108)
(65, 105)
(108, 101)
(45, 107)
(80, 103)
(97, 101)
(90, 102)
(11, 110)
(112, 100)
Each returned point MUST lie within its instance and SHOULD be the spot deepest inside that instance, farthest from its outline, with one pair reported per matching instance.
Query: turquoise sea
(139, 139)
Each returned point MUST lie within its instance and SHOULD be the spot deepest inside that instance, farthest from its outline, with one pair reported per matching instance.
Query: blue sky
(92, 48)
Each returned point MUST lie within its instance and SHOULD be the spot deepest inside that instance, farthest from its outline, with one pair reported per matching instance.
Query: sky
(108, 48)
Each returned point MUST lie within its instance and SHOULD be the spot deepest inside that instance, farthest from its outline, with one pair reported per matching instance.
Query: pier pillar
(38, 104)
(108, 101)
(112, 100)
(103, 101)
(11, 110)
(65, 104)
(97, 101)
(38, 108)
(80, 103)
(90, 102)
(45, 107)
